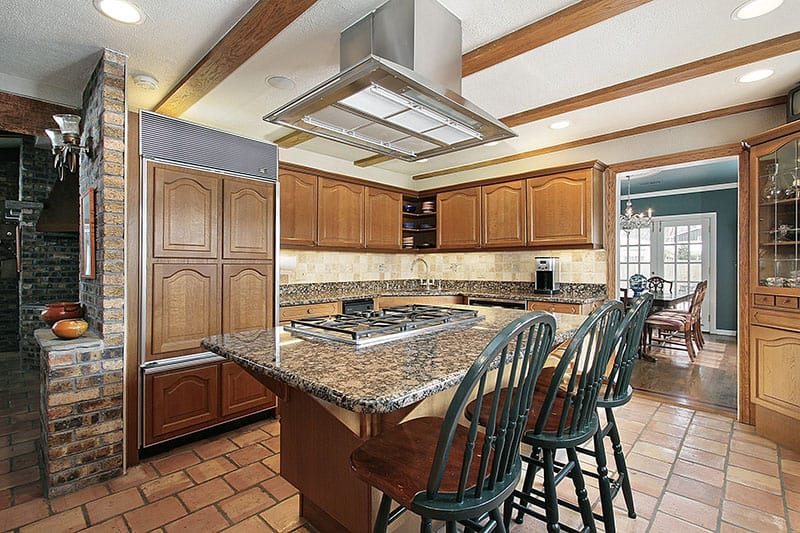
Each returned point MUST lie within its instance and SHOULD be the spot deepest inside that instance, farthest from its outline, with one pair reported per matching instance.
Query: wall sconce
(67, 143)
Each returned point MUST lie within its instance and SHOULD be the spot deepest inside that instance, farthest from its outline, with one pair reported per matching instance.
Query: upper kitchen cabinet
(248, 220)
(298, 208)
(503, 221)
(340, 213)
(383, 219)
(459, 215)
(185, 212)
(566, 209)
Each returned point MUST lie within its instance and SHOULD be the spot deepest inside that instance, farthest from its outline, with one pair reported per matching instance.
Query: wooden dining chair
(564, 404)
(658, 284)
(676, 328)
(442, 470)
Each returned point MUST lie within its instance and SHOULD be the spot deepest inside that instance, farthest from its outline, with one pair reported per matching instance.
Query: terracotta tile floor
(691, 471)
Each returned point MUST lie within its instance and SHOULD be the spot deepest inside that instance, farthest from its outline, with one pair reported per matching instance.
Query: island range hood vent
(397, 92)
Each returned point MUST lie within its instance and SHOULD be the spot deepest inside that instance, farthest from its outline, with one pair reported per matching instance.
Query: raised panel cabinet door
(775, 370)
(560, 209)
(340, 214)
(504, 214)
(180, 401)
(185, 212)
(248, 300)
(384, 219)
(459, 215)
(185, 308)
(241, 392)
(248, 228)
(298, 208)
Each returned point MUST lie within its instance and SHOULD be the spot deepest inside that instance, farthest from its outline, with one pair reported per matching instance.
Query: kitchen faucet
(427, 282)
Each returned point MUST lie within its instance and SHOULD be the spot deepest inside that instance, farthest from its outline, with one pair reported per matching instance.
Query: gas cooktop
(389, 324)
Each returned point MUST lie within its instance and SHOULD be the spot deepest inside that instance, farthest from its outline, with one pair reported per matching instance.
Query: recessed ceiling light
(146, 82)
(755, 8)
(120, 10)
(560, 125)
(281, 82)
(493, 143)
(755, 75)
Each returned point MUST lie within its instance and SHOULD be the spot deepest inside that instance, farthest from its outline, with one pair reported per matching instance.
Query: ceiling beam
(574, 18)
(265, 20)
(702, 67)
(27, 116)
(372, 160)
(293, 139)
(655, 126)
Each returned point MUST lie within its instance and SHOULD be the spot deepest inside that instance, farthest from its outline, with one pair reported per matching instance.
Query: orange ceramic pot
(56, 311)
(70, 328)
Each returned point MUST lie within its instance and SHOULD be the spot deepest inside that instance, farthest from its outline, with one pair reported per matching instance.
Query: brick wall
(9, 287)
(49, 261)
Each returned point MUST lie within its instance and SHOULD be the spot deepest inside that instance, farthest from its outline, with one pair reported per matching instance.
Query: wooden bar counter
(333, 396)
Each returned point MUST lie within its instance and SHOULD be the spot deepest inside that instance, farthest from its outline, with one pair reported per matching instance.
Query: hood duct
(398, 90)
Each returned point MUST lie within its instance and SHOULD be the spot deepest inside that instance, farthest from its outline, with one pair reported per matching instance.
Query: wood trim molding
(560, 24)
(655, 126)
(341, 177)
(774, 133)
(19, 114)
(610, 231)
(746, 408)
(372, 160)
(702, 67)
(265, 20)
(688, 156)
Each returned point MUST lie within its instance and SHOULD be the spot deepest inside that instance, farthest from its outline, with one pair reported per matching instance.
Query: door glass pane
(623, 271)
(696, 233)
(669, 271)
(695, 252)
(669, 254)
(669, 235)
(682, 272)
(695, 272)
(683, 252)
(682, 233)
(633, 255)
(633, 238)
(644, 236)
(644, 254)
(623, 254)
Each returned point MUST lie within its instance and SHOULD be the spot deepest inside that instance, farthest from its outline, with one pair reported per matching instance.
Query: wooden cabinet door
(774, 378)
(185, 308)
(560, 209)
(503, 218)
(248, 230)
(384, 219)
(178, 401)
(459, 215)
(340, 214)
(298, 208)
(185, 212)
(247, 297)
(241, 392)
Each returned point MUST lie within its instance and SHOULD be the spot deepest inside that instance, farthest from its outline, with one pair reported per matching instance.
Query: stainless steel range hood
(398, 90)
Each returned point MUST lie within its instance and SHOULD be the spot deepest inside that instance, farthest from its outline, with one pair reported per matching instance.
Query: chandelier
(629, 220)
(66, 143)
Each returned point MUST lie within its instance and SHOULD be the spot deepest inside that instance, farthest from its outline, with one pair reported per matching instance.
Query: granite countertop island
(372, 379)
(334, 396)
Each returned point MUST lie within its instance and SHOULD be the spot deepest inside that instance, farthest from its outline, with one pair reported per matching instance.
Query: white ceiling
(50, 47)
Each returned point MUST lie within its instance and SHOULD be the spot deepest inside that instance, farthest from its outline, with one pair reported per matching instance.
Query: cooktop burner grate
(391, 323)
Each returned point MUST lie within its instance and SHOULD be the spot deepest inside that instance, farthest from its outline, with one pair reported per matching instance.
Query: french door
(680, 248)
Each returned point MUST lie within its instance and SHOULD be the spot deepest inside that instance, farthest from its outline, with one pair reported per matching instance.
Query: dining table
(661, 300)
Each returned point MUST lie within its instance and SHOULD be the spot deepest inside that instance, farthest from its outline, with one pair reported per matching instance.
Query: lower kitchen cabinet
(390, 301)
(184, 400)
(241, 392)
(559, 307)
(295, 312)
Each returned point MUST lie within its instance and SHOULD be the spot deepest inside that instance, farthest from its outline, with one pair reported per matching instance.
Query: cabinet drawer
(300, 311)
(775, 318)
(787, 302)
(555, 307)
(764, 299)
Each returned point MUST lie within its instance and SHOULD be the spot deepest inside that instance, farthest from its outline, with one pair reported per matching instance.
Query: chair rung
(397, 513)
(543, 518)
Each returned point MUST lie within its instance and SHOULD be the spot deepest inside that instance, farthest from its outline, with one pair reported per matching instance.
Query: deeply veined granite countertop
(312, 293)
(373, 379)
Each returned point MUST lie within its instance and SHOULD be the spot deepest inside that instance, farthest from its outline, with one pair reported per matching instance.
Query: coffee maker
(547, 276)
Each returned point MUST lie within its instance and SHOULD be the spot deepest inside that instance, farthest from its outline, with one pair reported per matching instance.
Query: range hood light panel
(356, 135)
(416, 106)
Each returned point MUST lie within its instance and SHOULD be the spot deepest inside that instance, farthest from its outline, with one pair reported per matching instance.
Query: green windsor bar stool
(564, 416)
(617, 392)
(442, 470)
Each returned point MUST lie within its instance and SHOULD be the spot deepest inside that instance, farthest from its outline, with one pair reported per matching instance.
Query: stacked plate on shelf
(408, 242)
(428, 207)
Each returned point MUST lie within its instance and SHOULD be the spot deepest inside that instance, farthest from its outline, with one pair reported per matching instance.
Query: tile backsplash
(312, 266)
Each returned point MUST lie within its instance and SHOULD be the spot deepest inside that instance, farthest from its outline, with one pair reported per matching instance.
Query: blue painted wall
(724, 204)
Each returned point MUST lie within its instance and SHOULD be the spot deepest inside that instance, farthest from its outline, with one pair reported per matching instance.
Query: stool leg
(580, 491)
(426, 526)
(550, 494)
(498, 520)
(619, 459)
(450, 527)
(382, 520)
(605, 484)
(527, 485)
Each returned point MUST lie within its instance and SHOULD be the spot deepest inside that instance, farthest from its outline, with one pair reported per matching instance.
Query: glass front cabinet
(776, 168)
